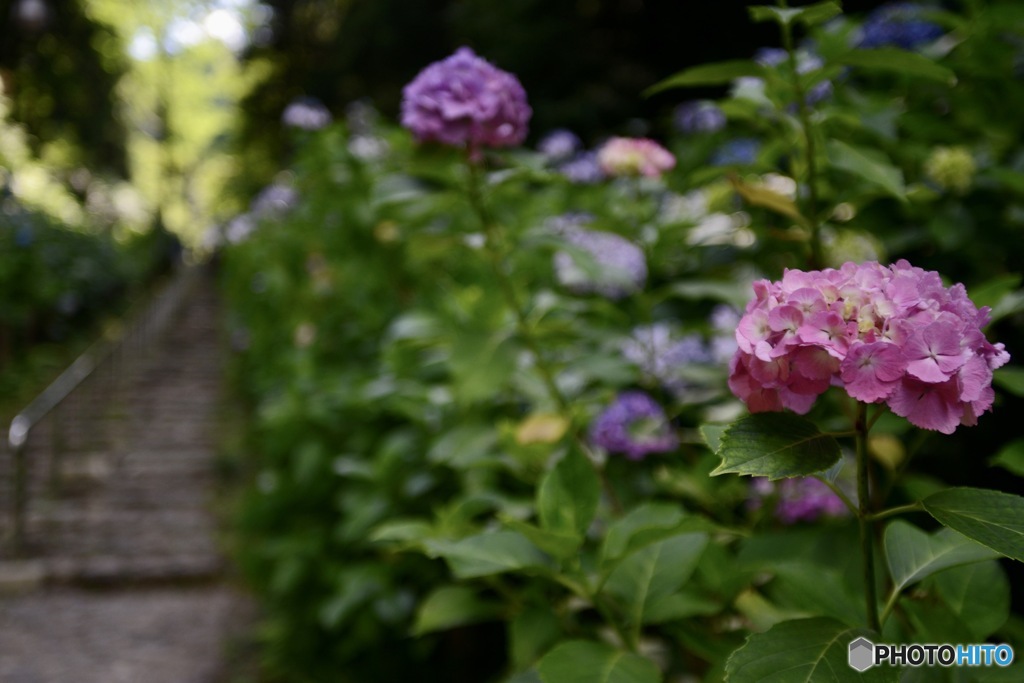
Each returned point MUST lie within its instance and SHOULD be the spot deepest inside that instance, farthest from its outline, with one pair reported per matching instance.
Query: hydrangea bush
(495, 395)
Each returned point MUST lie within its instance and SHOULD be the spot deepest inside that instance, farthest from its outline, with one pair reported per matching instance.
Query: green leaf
(775, 445)
(464, 446)
(814, 588)
(712, 435)
(681, 605)
(491, 552)
(717, 73)
(769, 199)
(869, 165)
(1010, 379)
(568, 495)
(978, 595)
(812, 15)
(560, 544)
(900, 61)
(802, 651)
(647, 519)
(451, 606)
(585, 661)
(649, 575)
(992, 518)
(530, 634)
(1011, 457)
(913, 554)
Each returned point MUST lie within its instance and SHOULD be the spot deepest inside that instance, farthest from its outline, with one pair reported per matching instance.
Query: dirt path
(125, 581)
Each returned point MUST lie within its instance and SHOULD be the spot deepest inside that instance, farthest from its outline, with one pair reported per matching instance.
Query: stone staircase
(124, 578)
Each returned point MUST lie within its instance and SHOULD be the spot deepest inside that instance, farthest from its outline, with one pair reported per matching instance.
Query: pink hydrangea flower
(892, 335)
(634, 156)
(466, 101)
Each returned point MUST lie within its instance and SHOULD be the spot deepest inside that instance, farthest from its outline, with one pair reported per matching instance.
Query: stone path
(125, 581)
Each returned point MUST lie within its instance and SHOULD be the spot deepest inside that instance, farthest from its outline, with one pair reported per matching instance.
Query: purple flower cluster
(464, 100)
(306, 113)
(884, 334)
(621, 268)
(800, 499)
(661, 355)
(559, 144)
(899, 24)
(634, 424)
(698, 116)
(582, 169)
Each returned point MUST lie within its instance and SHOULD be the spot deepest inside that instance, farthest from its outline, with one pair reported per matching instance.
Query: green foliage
(428, 492)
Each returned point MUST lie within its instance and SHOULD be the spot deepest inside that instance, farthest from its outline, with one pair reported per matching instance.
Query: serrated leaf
(1011, 457)
(802, 651)
(451, 606)
(776, 445)
(656, 571)
(488, 553)
(585, 661)
(913, 554)
(992, 518)
(899, 61)
(717, 73)
(568, 495)
(811, 15)
(869, 165)
(712, 435)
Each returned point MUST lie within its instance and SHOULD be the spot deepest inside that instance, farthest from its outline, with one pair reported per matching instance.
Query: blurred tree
(59, 67)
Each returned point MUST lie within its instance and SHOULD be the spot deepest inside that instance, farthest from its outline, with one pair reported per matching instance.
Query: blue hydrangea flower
(559, 144)
(898, 24)
(583, 169)
(635, 425)
(770, 56)
(738, 152)
(621, 266)
(698, 117)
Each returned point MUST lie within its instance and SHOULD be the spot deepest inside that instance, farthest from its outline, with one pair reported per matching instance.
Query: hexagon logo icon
(862, 654)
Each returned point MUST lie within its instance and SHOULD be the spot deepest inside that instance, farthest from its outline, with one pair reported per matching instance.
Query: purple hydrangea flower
(583, 169)
(898, 24)
(274, 200)
(464, 100)
(800, 499)
(698, 117)
(621, 266)
(770, 56)
(634, 424)
(559, 145)
(306, 113)
(738, 152)
(661, 355)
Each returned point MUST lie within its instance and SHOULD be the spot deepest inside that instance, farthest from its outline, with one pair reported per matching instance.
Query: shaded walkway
(125, 581)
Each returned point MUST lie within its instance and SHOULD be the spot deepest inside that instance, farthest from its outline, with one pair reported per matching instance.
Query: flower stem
(867, 540)
(804, 115)
(495, 246)
(899, 510)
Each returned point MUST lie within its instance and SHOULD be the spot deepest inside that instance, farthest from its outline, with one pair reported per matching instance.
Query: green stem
(890, 604)
(867, 540)
(804, 113)
(494, 244)
(841, 494)
(898, 510)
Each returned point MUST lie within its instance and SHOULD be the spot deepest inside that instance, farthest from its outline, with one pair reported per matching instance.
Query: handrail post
(18, 441)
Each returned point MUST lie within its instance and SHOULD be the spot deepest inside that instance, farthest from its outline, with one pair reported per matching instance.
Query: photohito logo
(864, 654)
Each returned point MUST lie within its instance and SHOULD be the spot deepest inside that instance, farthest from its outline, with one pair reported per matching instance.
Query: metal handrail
(146, 319)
